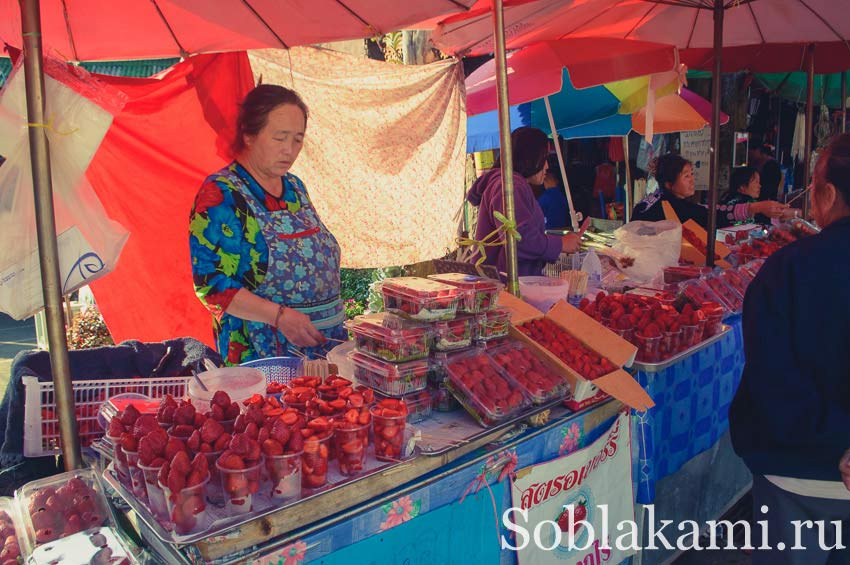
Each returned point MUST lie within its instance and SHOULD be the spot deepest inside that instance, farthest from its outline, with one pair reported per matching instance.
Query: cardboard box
(735, 234)
(619, 384)
(576, 405)
(690, 253)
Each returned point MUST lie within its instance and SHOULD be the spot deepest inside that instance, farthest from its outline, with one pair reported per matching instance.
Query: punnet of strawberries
(483, 389)
(561, 343)
(62, 506)
(529, 372)
(10, 551)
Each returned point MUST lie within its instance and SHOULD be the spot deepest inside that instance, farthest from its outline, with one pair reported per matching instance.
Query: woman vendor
(535, 248)
(263, 262)
(675, 176)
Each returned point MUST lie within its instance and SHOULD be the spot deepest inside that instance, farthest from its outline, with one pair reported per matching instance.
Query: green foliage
(88, 330)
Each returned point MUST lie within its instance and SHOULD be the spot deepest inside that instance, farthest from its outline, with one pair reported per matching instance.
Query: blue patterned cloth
(691, 410)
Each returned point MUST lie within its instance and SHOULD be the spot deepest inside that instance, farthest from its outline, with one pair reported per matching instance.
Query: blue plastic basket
(277, 369)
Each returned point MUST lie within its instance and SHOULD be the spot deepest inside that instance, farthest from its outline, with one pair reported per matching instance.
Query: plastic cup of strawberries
(351, 439)
(155, 493)
(119, 460)
(314, 461)
(240, 481)
(284, 471)
(388, 420)
(137, 477)
(187, 509)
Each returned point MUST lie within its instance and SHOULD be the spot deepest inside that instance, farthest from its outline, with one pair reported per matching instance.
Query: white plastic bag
(89, 241)
(653, 245)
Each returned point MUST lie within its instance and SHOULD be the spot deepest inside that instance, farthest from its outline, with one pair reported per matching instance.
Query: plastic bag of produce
(78, 112)
(654, 245)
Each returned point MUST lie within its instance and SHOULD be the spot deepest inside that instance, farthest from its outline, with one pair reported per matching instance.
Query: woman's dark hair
(530, 149)
(667, 169)
(741, 176)
(254, 111)
(837, 165)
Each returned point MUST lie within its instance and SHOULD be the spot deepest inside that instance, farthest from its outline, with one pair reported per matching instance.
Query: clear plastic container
(392, 379)
(137, 477)
(730, 298)
(10, 551)
(240, 383)
(390, 337)
(314, 461)
(239, 487)
(537, 380)
(737, 280)
(351, 441)
(649, 348)
(480, 294)
(420, 299)
(389, 434)
(187, 509)
(284, 471)
(418, 405)
(119, 460)
(60, 506)
(487, 392)
(442, 399)
(677, 274)
(155, 493)
(451, 335)
(697, 292)
(493, 324)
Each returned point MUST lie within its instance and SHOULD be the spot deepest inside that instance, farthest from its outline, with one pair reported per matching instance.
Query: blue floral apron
(303, 272)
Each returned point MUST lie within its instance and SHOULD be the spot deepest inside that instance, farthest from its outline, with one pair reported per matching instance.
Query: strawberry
(176, 480)
(128, 442)
(230, 460)
(210, 431)
(173, 446)
(222, 442)
(145, 424)
(116, 428)
(231, 411)
(167, 407)
(185, 413)
(194, 441)
(129, 415)
(272, 447)
(162, 477)
(221, 399)
(181, 463)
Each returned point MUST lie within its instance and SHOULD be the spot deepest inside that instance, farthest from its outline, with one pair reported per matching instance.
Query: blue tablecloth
(691, 410)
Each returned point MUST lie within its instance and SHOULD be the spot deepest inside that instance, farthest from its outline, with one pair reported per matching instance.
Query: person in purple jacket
(535, 248)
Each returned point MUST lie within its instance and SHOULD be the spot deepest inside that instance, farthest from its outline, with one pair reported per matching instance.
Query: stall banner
(384, 155)
(597, 482)
(696, 148)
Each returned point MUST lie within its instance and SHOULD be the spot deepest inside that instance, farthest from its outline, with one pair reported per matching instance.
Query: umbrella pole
(505, 144)
(628, 191)
(844, 102)
(46, 226)
(810, 115)
(715, 134)
(573, 219)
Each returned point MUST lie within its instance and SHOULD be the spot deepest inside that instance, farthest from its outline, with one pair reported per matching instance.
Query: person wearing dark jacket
(675, 176)
(790, 419)
(745, 187)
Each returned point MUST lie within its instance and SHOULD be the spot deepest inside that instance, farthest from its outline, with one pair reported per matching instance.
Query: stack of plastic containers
(391, 353)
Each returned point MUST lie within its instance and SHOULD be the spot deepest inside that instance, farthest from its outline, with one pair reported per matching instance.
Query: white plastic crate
(41, 423)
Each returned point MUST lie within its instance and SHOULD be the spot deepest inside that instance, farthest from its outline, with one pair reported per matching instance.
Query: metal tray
(661, 365)
(219, 523)
(443, 431)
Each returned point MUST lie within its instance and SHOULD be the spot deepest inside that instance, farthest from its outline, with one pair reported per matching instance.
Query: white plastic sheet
(654, 245)
(78, 111)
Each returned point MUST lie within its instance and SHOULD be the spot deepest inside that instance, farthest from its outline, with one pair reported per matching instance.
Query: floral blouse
(229, 252)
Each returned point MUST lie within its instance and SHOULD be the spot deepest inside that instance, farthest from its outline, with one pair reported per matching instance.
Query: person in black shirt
(675, 176)
(769, 171)
(745, 187)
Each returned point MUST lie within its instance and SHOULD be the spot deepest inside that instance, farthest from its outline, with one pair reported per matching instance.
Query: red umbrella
(86, 30)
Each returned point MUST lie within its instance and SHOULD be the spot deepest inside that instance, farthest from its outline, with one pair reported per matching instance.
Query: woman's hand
(298, 329)
(769, 208)
(844, 467)
(570, 243)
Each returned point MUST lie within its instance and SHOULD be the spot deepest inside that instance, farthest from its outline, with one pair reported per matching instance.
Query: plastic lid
(418, 288)
(495, 315)
(468, 281)
(386, 324)
(542, 281)
(385, 368)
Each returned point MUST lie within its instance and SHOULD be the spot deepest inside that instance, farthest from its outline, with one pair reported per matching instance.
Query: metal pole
(628, 191)
(843, 101)
(505, 143)
(46, 226)
(715, 134)
(810, 115)
(573, 219)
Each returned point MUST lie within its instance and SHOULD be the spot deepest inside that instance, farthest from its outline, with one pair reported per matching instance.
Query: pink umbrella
(685, 111)
(86, 30)
(536, 71)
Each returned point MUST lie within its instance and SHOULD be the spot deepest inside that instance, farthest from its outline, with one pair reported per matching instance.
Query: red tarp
(172, 133)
